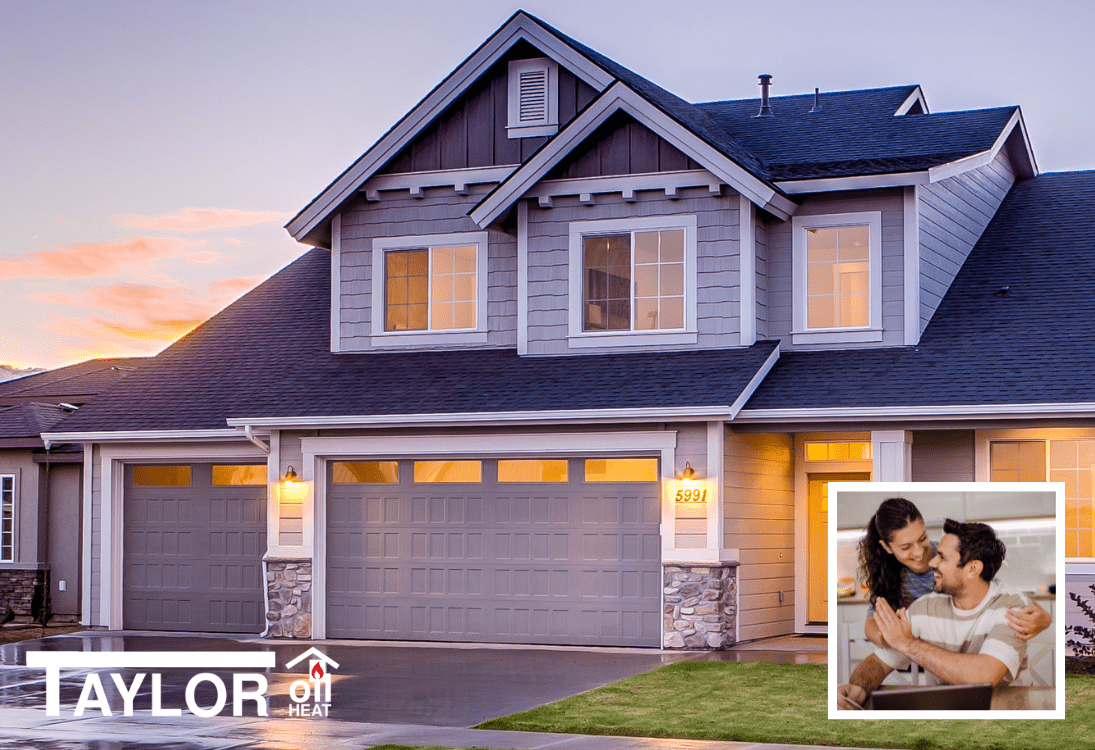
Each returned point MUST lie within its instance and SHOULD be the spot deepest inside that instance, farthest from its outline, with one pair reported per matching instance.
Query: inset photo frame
(955, 558)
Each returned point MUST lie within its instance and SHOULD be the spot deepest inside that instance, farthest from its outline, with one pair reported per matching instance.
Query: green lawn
(785, 703)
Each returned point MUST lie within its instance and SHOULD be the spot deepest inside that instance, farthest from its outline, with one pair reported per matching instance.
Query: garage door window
(448, 472)
(622, 470)
(161, 476)
(532, 471)
(239, 476)
(365, 472)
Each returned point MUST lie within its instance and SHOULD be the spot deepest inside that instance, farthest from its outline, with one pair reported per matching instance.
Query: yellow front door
(817, 560)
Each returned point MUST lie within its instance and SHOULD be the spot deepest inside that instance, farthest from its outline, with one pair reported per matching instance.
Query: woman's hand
(1028, 621)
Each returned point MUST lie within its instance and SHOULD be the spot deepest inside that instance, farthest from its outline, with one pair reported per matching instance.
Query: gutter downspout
(249, 433)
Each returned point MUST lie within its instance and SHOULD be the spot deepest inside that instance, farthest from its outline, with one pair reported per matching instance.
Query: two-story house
(573, 360)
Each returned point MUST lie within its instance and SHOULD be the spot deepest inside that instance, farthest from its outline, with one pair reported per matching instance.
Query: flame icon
(317, 671)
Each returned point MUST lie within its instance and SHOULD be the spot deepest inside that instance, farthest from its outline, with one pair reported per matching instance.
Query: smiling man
(960, 633)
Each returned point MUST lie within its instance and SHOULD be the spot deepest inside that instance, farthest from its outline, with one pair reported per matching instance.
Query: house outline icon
(315, 653)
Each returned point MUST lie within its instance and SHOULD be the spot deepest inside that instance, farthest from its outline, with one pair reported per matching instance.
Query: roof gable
(309, 225)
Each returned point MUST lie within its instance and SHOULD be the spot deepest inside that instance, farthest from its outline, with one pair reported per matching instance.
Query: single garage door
(194, 539)
(563, 551)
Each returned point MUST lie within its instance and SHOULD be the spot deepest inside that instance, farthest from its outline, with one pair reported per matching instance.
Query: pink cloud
(199, 219)
(90, 259)
(235, 286)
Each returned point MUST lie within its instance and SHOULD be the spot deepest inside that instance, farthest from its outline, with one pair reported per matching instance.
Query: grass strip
(785, 703)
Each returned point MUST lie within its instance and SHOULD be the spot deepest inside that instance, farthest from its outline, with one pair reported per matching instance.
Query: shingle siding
(953, 214)
(718, 321)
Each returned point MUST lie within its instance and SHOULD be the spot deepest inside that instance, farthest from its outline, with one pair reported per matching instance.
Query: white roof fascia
(676, 413)
(142, 435)
(917, 95)
(751, 387)
(856, 182)
(972, 411)
(521, 27)
(620, 97)
(975, 161)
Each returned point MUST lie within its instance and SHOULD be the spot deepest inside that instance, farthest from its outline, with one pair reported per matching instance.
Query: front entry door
(817, 561)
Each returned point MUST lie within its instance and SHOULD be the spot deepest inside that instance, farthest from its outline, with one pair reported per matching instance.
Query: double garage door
(555, 551)
(562, 551)
(194, 537)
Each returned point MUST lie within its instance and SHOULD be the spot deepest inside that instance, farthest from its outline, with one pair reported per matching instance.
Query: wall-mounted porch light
(291, 489)
(689, 474)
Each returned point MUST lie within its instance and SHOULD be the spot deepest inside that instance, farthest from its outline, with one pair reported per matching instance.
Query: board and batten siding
(717, 273)
(953, 214)
(472, 132)
(439, 211)
(759, 508)
(622, 146)
(890, 203)
(943, 456)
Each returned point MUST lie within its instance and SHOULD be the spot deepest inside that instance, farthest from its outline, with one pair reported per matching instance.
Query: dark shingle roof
(1033, 344)
(74, 382)
(29, 420)
(855, 133)
(267, 356)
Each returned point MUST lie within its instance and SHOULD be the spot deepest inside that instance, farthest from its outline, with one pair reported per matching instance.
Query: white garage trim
(317, 450)
(113, 459)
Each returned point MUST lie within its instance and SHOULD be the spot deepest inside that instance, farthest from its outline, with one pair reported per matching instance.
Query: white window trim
(860, 334)
(549, 125)
(477, 335)
(578, 338)
(14, 511)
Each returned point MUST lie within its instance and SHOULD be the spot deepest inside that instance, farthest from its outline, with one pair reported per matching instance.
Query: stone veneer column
(289, 584)
(700, 606)
(26, 593)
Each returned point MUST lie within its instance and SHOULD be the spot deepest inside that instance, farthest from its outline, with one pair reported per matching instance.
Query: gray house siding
(760, 523)
(718, 321)
(472, 132)
(622, 146)
(953, 214)
(943, 456)
(438, 211)
(760, 236)
(691, 518)
(780, 263)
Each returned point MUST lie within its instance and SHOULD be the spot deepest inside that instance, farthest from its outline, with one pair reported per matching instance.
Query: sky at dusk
(151, 152)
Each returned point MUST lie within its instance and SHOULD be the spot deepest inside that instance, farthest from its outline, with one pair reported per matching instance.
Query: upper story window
(533, 98)
(633, 281)
(429, 289)
(7, 518)
(838, 277)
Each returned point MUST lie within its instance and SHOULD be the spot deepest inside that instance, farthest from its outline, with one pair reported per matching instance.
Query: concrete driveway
(437, 685)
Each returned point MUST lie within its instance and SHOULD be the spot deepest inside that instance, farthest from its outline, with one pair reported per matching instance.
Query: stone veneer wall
(25, 592)
(289, 583)
(700, 609)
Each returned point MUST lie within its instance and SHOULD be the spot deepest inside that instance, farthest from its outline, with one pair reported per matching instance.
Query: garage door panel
(512, 543)
(193, 556)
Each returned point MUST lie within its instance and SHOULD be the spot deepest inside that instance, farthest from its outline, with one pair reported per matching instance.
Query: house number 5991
(698, 495)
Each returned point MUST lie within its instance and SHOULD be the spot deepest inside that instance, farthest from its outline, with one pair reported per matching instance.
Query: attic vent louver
(533, 96)
(765, 108)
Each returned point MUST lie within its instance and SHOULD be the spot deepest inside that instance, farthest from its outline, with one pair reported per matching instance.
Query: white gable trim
(620, 97)
(950, 169)
(917, 95)
(856, 182)
(520, 27)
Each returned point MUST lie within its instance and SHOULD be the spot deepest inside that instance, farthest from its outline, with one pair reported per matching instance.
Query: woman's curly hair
(881, 571)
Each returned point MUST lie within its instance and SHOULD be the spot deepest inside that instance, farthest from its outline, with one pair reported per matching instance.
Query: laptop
(935, 698)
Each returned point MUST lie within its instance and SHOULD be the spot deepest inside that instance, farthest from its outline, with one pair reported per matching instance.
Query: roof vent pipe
(765, 84)
(817, 101)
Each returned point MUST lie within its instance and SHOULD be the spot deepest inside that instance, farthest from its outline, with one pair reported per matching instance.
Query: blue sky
(150, 152)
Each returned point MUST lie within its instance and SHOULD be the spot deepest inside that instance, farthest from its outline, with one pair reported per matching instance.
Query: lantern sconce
(689, 474)
(290, 477)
